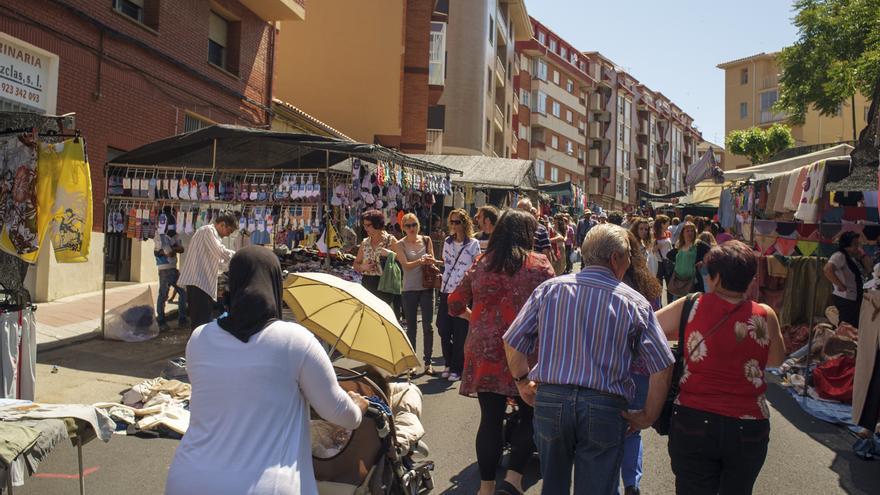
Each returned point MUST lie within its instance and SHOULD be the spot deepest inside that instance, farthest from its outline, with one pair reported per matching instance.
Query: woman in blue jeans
(640, 278)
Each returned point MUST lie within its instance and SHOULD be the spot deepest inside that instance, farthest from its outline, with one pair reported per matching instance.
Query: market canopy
(768, 170)
(660, 198)
(235, 147)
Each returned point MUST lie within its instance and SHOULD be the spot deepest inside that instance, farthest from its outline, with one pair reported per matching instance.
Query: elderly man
(204, 257)
(584, 225)
(542, 238)
(587, 329)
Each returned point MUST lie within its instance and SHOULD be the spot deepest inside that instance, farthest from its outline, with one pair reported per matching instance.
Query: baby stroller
(385, 454)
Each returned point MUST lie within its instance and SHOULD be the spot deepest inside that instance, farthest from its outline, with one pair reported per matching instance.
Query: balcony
(643, 127)
(499, 118)
(595, 71)
(434, 142)
(595, 130)
(593, 185)
(277, 10)
(768, 82)
(769, 116)
(596, 102)
(437, 55)
(594, 158)
(500, 73)
(643, 176)
(642, 152)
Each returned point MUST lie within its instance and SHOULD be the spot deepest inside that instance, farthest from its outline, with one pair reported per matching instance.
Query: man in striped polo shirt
(587, 329)
(204, 256)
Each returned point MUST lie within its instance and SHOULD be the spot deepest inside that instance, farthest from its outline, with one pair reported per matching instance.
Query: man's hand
(528, 390)
(467, 314)
(638, 420)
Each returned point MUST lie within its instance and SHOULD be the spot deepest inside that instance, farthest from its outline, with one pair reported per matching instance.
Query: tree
(837, 53)
(759, 144)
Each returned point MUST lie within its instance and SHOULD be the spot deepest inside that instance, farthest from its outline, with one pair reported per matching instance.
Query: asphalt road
(806, 456)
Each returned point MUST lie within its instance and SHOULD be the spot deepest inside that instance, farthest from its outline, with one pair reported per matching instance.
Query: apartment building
(479, 102)
(371, 70)
(554, 86)
(751, 87)
(637, 138)
(135, 71)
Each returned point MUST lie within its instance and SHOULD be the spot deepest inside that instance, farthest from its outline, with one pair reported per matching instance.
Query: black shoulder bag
(665, 418)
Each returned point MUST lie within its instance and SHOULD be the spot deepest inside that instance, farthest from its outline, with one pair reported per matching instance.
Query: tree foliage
(837, 53)
(759, 144)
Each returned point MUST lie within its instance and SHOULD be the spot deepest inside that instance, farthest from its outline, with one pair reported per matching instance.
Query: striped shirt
(542, 239)
(204, 255)
(588, 328)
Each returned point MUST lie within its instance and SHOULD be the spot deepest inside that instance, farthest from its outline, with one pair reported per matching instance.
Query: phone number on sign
(21, 93)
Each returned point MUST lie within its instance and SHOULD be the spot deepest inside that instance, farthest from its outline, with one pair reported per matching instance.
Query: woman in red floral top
(499, 283)
(720, 424)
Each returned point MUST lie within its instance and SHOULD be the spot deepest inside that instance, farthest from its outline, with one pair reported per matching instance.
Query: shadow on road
(435, 385)
(856, 476)
(468, 480)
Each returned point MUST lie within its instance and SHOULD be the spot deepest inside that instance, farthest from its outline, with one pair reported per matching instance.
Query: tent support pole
(104, 252)
(754, 212)
(214, 155)
(814, 290)
(327, 215)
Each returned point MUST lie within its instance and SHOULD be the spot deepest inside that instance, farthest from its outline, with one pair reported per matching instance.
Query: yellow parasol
(351, 319)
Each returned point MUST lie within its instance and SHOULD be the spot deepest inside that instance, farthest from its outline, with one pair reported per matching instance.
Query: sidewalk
(76, 318)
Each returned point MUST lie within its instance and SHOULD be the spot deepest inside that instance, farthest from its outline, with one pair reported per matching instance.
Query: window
(542, 39)
(554, 174)
(193, 123)
(568, 177)
(743, 110)
(554, 142)
(768, 98)
(218, 41)
(488, 132)
(574, 59)
(563, 52)
(437, 54)
(556, 77)
(524, 132)
(580, 154)
(569, 86)
(557, 109)
(539, 169)
(491, 31)
(542, 102)
(569, 117)
(145, 12)
(553, 45)
(541, 70)
(744, 76)
(524, 98)
(569, 148)
(489, 81)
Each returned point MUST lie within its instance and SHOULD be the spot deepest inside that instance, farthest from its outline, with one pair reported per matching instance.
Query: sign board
(28, 75)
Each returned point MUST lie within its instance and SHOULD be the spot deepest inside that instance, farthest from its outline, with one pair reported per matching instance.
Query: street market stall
(280, 185)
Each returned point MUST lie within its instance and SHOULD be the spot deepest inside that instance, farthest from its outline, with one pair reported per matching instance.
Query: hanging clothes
(797, 302)
(18, 211)
(726, 215)
(18, 353)
(814, 185)
(66, 205)
(866, 384)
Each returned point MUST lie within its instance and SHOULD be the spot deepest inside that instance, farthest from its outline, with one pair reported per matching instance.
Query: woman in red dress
(499, 283)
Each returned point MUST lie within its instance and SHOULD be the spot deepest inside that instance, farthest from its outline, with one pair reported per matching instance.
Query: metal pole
(104, 252)
(79, 454)
(214, 155)
(327, 217)
(853, 103)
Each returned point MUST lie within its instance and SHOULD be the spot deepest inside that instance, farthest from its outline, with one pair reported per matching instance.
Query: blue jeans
(631, 469)
(167, 279)
(581, 428)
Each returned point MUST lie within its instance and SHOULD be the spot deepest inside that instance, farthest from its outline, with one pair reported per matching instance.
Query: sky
(674, 46)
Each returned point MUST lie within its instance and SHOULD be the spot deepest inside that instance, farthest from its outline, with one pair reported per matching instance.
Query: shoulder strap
(689, 301)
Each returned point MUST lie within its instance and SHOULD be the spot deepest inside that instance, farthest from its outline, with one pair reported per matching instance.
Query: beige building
(479, 102)
(751, 87)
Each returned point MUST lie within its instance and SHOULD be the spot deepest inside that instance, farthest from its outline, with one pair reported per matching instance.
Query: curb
(61, 343)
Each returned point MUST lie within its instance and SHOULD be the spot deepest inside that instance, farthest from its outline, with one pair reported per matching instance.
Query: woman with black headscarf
(253, 379)
(844, 271)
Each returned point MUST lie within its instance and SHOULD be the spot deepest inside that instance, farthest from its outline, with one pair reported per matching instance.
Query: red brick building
(135, 71)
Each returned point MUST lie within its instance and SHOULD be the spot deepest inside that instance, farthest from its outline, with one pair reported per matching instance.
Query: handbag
(680, 286)
(392, 278)
(664, 420)
(431, 276)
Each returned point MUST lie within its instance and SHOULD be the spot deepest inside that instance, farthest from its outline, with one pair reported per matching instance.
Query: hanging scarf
(254, 292)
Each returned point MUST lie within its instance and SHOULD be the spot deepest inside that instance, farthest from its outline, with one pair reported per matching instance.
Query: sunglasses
(410, 225)
(455, 222)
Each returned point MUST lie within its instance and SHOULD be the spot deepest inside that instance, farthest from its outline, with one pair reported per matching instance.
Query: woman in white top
(253, 379)
(660, 247)
(844, 271)
(460, 250)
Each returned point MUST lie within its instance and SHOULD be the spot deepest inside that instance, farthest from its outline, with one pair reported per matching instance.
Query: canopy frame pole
(814, 290)
(327, 216)
(754, 212)
(106, 203)
(214, 155)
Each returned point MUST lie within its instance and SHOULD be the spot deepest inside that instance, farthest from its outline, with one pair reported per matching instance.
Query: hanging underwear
(765, 227)
(832, 215)
(808, 231)
(785, 246)
(765, 243)
(828, 232)
(807, 248)
(854, 213)
(871, 232)
(786, 229)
